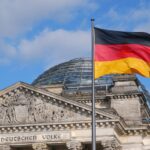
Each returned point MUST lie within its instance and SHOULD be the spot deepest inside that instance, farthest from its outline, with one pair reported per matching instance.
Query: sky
(38, 34)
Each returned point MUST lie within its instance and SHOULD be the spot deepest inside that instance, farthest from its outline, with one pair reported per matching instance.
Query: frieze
(54, 126)
(22, 107)
(125, 96)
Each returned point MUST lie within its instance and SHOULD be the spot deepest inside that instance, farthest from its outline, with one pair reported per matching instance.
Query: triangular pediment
(25, 104)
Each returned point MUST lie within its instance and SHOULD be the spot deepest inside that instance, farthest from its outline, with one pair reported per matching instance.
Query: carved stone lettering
(9, 139)
(25, 138)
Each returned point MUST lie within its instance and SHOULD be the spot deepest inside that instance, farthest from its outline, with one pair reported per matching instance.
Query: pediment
(26, 104)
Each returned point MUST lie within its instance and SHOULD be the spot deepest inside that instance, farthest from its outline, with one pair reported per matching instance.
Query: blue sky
(37, 34)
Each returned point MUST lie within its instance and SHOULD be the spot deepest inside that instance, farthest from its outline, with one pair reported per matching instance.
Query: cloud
(17, 16)
(143, 27)
(7, 52)
(4, 61)
(134, 18)
(49, 47)
(140, 13)
(55, 45)
(141, 16)
(113, 14)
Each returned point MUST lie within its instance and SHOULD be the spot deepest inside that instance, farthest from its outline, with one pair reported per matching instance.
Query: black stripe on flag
(103, 36)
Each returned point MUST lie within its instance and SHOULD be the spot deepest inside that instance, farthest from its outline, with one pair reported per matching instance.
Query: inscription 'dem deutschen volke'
(34, 138)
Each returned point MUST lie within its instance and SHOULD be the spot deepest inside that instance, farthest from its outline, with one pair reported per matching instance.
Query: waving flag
(117, 52)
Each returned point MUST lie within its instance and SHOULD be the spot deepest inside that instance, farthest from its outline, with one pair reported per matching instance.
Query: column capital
(5, 147)
(110, 145)
(40, 146)
(74, 145)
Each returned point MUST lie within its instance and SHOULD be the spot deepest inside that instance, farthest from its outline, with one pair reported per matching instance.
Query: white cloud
(113, 14)
(135, 18)
(49, 47)
(17, 16)
(7, 53)
(143, 27)
(55, 45)
(4, 61)
(141, 15)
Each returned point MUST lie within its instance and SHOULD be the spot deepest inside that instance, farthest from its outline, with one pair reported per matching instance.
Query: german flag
(117, 52)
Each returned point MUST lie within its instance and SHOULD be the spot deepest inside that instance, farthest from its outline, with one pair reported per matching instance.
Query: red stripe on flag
(119, 51)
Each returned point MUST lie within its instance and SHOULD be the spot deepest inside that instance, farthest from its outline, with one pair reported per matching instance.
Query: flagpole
(93, 90)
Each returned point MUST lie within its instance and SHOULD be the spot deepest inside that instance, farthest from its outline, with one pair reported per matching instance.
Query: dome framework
(75, 73)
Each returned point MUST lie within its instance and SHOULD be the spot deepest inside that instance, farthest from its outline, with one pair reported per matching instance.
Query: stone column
(5, 147)
(110, 145)
(40, 146)
(74, 145)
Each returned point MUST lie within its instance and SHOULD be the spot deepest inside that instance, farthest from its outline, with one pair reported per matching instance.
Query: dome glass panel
(74, 74)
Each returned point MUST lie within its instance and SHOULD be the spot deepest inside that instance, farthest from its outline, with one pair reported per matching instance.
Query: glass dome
(76, 72)
(75, 76)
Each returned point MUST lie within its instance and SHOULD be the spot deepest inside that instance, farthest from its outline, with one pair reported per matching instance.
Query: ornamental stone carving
(74, 145)
(24, 107)
(110, 145)
(5, 147)
(40, 146)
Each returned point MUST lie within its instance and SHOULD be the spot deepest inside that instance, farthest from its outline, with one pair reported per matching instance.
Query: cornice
(122, 129)
(55, 126)
(118, 125)
(125, 95)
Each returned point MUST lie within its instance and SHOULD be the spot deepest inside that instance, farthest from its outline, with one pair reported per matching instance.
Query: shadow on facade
(57, 147)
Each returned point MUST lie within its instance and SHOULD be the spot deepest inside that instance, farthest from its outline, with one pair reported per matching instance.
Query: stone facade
(38, 119)
(40, 146)
(5, 147)
(74, 145)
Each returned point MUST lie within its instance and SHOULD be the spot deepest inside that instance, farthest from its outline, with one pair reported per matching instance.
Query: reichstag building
(54, 112)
